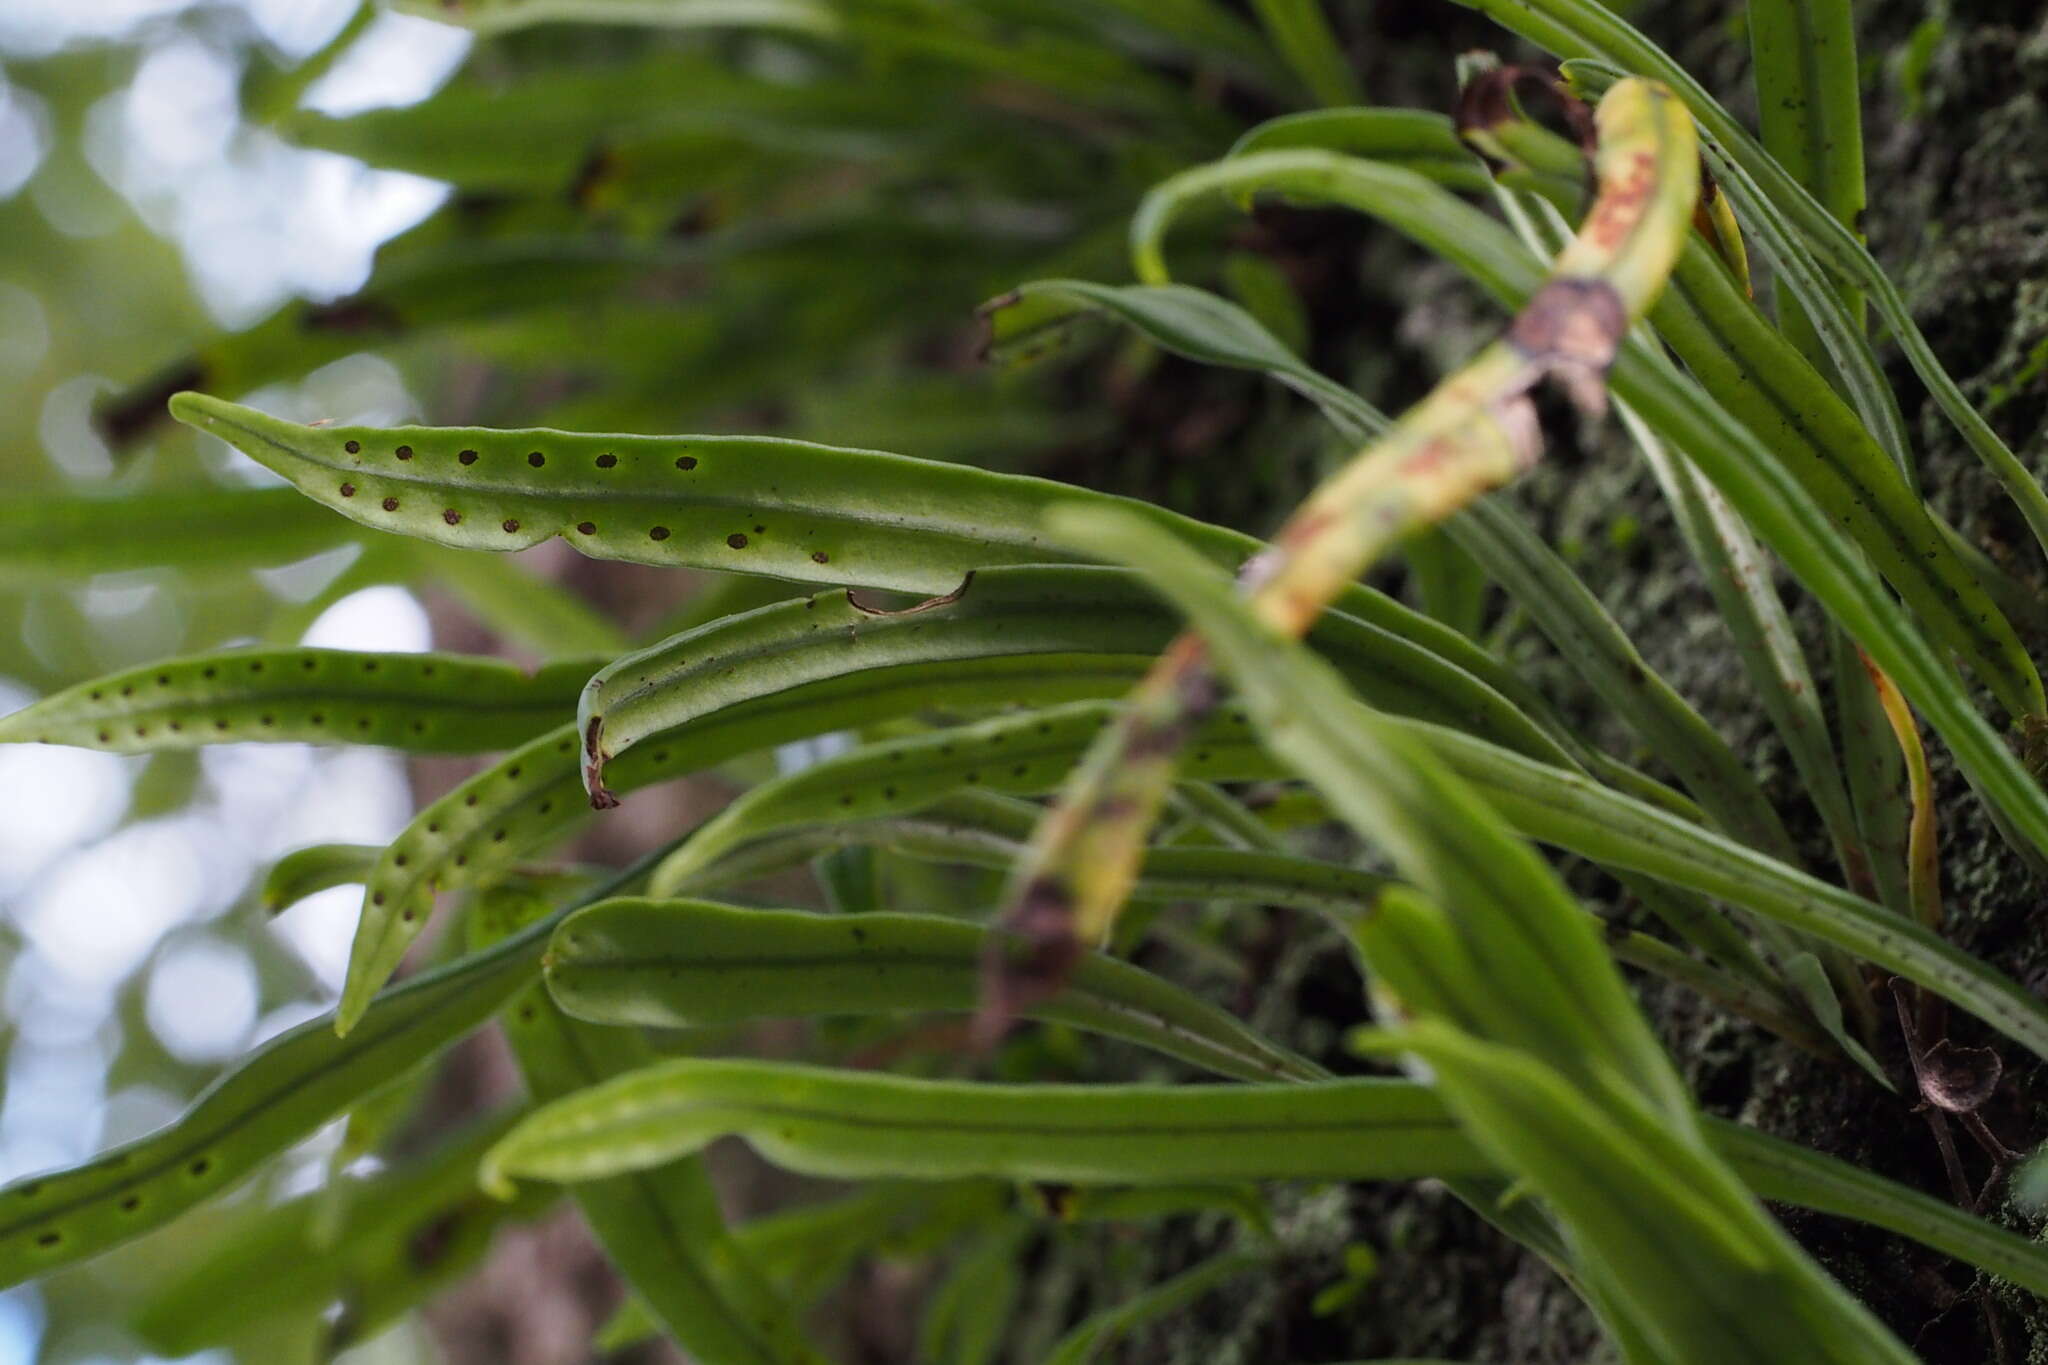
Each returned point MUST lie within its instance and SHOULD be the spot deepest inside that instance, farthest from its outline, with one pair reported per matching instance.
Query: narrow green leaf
(1302, 34)
(735, 503)
(62, 538)
(1572, 812)
(680, 964)
(1001, 612)
(1093, 1335)
(502, 16)
(422, 703)
(861, 1126)
(874, 1125)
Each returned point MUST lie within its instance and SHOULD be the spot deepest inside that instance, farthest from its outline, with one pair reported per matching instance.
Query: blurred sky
(96, 897)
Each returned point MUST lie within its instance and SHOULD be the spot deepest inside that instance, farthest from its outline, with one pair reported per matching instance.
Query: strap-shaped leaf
(857, 1127)
(1616, 831)
(662, 1228)
(743, 504)
(682, 963)
(878, 1126)
(500, 16)
(422, 703)
(61, 538)
(1002, 612)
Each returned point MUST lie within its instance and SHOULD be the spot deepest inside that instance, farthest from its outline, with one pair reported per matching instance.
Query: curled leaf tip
(856, 600)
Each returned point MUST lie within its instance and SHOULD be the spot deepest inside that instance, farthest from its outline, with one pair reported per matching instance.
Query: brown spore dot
(204, 673)
(348, 490)
(49, 1239)
(451, 516)
(201, 1166)
(96, 692)
(267, 720)
(352, 447)
(820, 557)
(256, 666)
(433, 827)
(377, 898)
(546, 806)
(536, 459)
(128, 691)
(462, 860)
(511, 525)
(419, 727)
(760, 530)
(131, 1203)
(309, 664)
(686, 462)
(469, 800)
(657, 533)
(497, 836)
(403, 452)
(587, 528)
(106, 737)
(391, 504)
(466, 457)
(737, 541)
(141, 731)
(220, 725)
(513, 772)
(316, 718)
(607, 461)
(163, 680)
(178, 726)
(369, 665)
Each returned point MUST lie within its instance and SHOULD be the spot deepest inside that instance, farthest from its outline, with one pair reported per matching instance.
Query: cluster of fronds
(814, 175)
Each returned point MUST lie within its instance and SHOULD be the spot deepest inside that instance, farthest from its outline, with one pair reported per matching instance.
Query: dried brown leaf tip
(1029, 963)
(1570, 332)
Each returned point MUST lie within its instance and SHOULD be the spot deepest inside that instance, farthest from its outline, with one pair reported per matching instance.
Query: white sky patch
(381, 618)
(34, 828)
(201, 1001)
(318, 929)
(24, 137)
(97, 914)
(400, 59)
